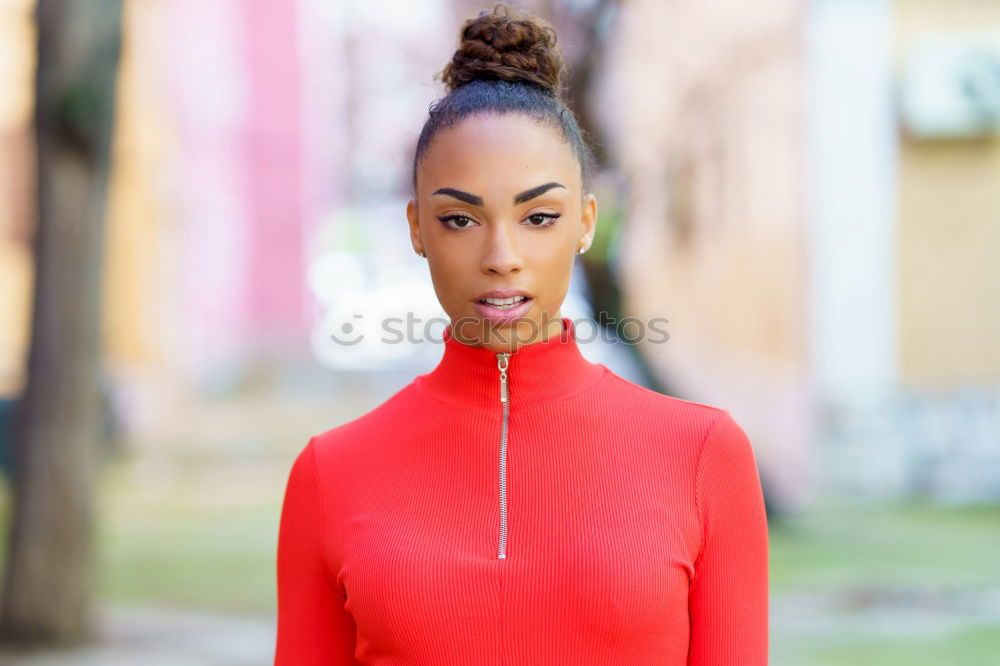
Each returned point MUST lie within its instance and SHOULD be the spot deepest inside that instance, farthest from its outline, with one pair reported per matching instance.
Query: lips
(502, 294)
(503, 305)
(503, 302)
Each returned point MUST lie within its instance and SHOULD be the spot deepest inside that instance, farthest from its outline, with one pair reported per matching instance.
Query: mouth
(503, 309)
(504, 303)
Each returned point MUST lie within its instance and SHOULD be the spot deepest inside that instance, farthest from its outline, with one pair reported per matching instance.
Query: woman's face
(499, 207)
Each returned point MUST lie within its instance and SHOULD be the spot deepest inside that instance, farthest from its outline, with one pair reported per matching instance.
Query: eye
(461, 221)
(546, 220)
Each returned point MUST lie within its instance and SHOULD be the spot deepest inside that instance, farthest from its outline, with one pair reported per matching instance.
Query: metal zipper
(502, 361)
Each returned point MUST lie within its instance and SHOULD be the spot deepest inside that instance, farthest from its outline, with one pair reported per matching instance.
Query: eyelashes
(550, 219)
(448, 218)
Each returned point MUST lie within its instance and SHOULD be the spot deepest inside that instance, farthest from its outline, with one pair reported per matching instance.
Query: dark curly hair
(507, 62)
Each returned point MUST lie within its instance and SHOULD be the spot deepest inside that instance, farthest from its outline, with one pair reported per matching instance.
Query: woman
(519, 504)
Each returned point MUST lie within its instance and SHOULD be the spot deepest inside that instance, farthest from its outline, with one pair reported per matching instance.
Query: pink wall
(271, 160)
(234, 81)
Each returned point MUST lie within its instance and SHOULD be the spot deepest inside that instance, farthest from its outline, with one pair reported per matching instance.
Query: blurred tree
(48, 579)
(586, 28)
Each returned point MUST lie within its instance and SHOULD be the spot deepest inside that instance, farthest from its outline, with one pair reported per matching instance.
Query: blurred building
(813, 190)
(17, 62)
(946, 64)
(826, 272)
(257, 149)
(702, 107)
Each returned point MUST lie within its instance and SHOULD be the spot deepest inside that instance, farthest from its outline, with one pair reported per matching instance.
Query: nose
(501, 254)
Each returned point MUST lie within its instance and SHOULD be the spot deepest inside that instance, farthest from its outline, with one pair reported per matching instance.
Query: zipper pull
(502, 359)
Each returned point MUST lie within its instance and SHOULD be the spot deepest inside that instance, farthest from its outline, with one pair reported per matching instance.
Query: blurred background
(195, 196)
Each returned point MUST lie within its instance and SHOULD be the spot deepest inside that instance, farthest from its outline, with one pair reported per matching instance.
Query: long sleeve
(313, 626)
(728, 596)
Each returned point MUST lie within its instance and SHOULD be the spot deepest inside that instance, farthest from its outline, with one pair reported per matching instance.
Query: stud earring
(421, 253)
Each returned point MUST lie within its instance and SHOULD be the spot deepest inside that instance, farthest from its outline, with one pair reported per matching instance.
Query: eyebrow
(476, 200)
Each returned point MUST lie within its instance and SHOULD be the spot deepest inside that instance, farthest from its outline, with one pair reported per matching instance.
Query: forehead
(508, 152)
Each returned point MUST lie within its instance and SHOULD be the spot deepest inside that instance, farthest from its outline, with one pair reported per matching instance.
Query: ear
(414, 222)
(588, 219)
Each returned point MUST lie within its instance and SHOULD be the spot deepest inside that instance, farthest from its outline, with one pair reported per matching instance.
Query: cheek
(552, 268)
(551, 246)
(449, 274)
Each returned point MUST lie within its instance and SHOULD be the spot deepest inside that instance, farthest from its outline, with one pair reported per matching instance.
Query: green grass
(212, 561)
(878, 549)
(977, 646)
(901, 543)
(177, 549)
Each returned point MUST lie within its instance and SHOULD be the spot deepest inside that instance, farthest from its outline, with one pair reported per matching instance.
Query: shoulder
(707, 434)
(726, 461)
(702, 439)
(354, 437)
(694, 420)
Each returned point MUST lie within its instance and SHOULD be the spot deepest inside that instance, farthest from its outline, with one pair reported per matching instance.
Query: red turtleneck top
(588, 520)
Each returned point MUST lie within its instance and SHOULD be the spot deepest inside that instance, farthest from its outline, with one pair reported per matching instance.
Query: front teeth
(504, 302)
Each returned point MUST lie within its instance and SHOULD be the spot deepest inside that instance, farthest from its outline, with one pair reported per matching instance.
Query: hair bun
(506, 44)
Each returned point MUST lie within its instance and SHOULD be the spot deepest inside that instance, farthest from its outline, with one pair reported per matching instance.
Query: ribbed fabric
(636, 531)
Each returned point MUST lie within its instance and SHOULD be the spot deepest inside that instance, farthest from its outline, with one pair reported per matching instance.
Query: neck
(506, 339)
(548, 368)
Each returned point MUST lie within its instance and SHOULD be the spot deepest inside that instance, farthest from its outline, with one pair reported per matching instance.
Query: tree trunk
(48, 582)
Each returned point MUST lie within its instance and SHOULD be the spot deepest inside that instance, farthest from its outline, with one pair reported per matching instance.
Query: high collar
(543, 370)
